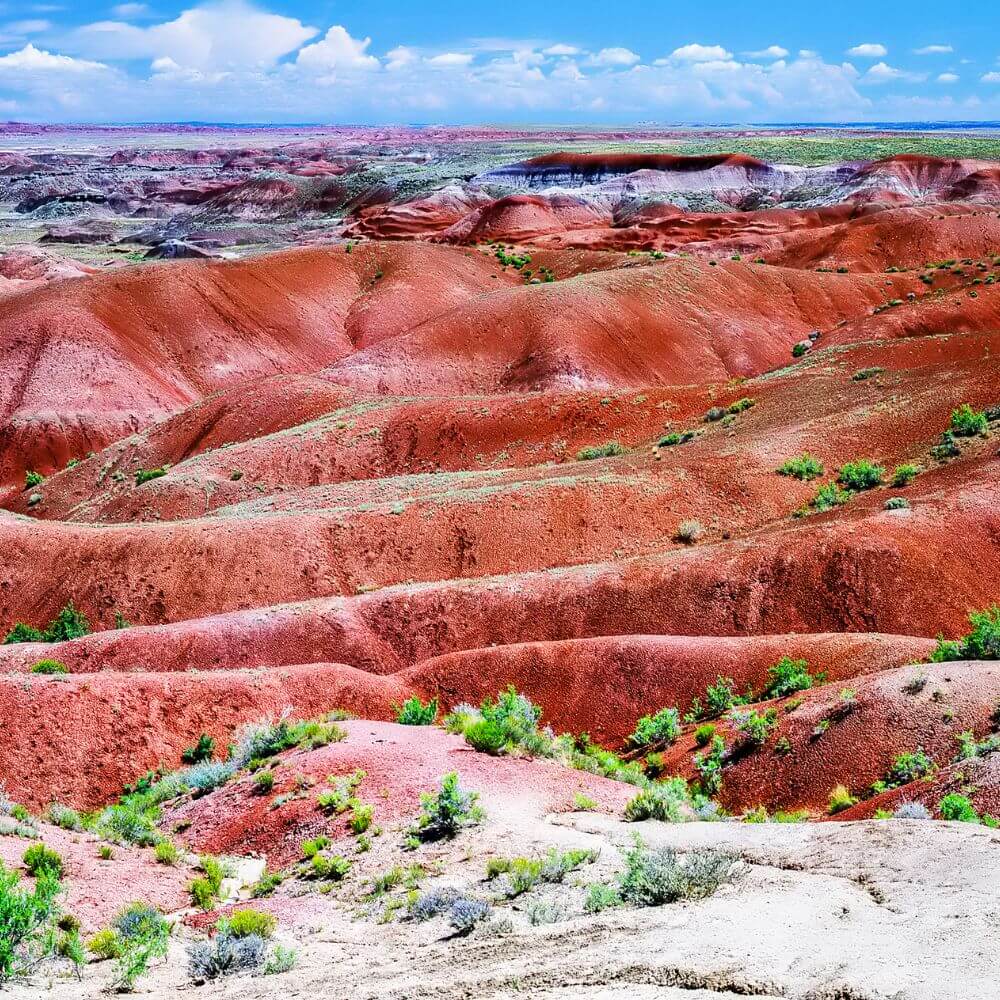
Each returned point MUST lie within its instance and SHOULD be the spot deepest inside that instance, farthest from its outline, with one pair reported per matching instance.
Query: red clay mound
(601, 686)
(856, 747)
(399, 762)
(94, 359)
(917, 175)
(611, 329)
(95, 890)
(520, 218)
(423, 216)
(136, 722)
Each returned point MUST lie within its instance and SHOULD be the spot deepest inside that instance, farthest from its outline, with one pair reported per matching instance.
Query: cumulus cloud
(947, 78)
(882, 72)
(222, 35)
(337, 50)
(450, 59)
(868, 50)
(934, 50)
(990, 78)
(771, 52)
(615, 56)
(32, 60)
(561, 50)
(700, 53)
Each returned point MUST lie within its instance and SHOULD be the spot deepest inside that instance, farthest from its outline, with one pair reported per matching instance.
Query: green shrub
(703, 734)
(202, 893)
(26, 916)
(656, 876)
(957, 808)
(33, 479)
(896, 503)
(445, 812)
(362, 814)
(601, 897)
(242, 923)
(38, 858)
(68, 624)
(266, 884)
(167, 853)
(131, 821)
(741, 405)
(147, 475)
(663, 727)
(341, 797)
(709, 764)
(866, 373)
(23, 633)
(967, 422)
(104, 944)
(806, 467)
(507, 725)
(799, 349)
(675, 438)
(330, 868)
(143, 934)
(522, 874)
(203, 750)
(860, 475)
(607, 450)
(263, 782)
(756, 727)
(413, 712)
(946, 448)
(583, 803)
(487, 736)
(105, 852)
(840, 799)
(50, 667)
(907, 767)
(903, 475)
(668, 801)
(828, 496)
(721, 696)
(310, 848)
(786, 677)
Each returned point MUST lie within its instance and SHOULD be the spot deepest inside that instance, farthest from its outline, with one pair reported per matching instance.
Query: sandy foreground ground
(900, 910)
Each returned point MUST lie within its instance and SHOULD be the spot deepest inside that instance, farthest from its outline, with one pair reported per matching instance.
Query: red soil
(626, 163)
(399, 762)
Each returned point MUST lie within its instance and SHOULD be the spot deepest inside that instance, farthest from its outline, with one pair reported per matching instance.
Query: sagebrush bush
(860, 475)
(38, 859)
(982, 643)
(224, 955)
(661, 727)
(786, 677)
(413, 712)
(904, 474)
(201, 751)
(688, 532)
(601, 897)
(243, 923)
(806, 467)
(26, 917)
(668, 801)
(607, 450)
(143, 934)
(911, 810)
(967, 422)
(445, 812)
(656, 876)
(64, 817)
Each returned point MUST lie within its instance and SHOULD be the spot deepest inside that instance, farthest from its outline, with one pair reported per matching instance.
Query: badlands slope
(526, 432)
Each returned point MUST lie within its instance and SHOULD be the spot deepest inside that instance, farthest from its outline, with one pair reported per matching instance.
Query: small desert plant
(601, 897)
(828, 496)
(656, 876)
(840, 799)
(756, 727)
(507, 725)
(26, 915)
(413, 712)
(786, 677)
(167, 852)
(708, 764)
(896, 503)
(65, 817)
(263, 782)
(583, 803)
(38, 859)
(967, 422)
(688, 532)
(866, 373)
(904, 474)
(668, 801)
(50, 667)
(860, 475)
(982, 643)
(703, 734)
(147, 475)
(143, 934)
(224, 955)
(201, 751)
(907, 767)
(607, 450)
(465, 914)
(806, 467)
(957, 808)
(662, 727)
(911, 810)
(445, 812)
(33, 479)
(243, 923)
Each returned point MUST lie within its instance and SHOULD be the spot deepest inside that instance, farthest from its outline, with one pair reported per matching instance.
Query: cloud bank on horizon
(232, 60)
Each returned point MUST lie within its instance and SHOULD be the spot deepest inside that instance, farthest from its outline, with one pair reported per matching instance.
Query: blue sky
(461, 61)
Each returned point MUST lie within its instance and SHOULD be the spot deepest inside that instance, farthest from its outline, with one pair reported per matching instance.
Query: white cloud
(227, 34)
(399, 57)
(615, 56)
(700, 53)
(451, 59)
(882, 72)
(934, 50)
(561, 50)
(32, 60)
(947, 78)
(337, 50)
(127, 10)
(868, 50)
(808, 54)
(771, 52)
(29, 27)
(990, 78)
